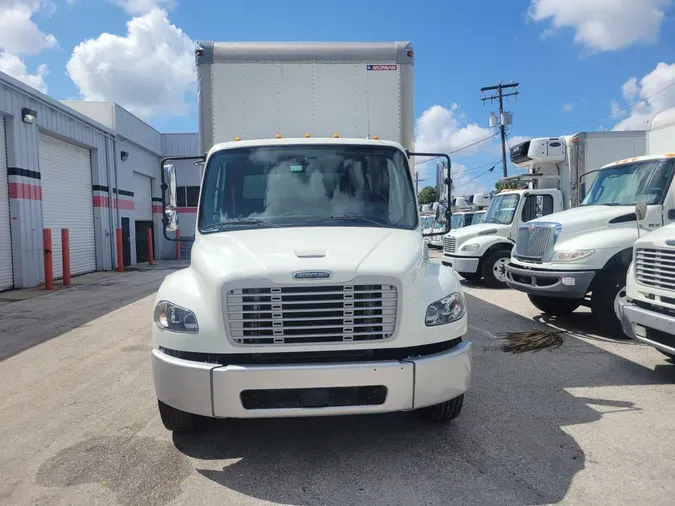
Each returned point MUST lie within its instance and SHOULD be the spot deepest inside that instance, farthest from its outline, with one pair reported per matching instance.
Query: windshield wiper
(347, 217)
(243, 221)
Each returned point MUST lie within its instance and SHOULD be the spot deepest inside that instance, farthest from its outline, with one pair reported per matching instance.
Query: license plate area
(289, 398)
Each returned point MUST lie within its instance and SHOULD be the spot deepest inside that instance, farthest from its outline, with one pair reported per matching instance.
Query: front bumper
(650, 327)
(461, 264)
(563, 284)
(216, 391)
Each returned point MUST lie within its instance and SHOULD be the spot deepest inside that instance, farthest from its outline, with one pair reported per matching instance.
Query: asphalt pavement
(591, 422)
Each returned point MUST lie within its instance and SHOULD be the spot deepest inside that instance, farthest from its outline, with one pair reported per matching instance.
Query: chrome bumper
(215, 391)
(638, 322)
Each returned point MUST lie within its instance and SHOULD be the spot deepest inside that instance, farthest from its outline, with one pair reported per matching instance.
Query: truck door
(536, 206)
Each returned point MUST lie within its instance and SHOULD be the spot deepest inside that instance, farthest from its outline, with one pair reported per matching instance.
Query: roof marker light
(376, 137)
(237, 138)
(336, 136)
(306, 136)
(277, 136)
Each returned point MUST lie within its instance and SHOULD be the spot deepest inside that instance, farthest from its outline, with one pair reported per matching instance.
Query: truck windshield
(456, 221)
(290, 186)
(502, 209)
(626, 184)
(478, 218)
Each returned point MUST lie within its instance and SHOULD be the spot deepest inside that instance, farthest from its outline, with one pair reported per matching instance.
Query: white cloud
(567, 107)
(14, 66)
(603, 25)
(468, 183)
(18, 33)
(143, 6)
(641, 114)
(616, 109)
(149, 71)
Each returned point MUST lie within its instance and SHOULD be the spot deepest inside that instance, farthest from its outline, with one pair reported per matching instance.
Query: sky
(581, 65)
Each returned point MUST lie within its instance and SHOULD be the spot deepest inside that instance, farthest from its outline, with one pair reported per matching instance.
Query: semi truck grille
(311, 314)
(655, 267)
(449, 244)
(532, 241)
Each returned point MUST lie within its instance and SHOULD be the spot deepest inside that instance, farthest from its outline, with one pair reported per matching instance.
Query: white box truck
(310, 291)
(559, 168)
(580, 257)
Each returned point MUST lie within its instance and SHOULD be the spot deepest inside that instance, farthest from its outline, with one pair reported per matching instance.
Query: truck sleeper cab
(310, 291)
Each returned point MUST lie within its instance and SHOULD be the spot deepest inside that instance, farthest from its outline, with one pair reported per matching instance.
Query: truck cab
(648, 311)
(482, 251)
(581, 256)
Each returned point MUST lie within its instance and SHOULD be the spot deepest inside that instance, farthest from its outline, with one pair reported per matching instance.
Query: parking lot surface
(590, 422)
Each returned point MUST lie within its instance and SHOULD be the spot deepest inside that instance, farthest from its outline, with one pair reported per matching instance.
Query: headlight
(446, 310)
(471, 247)
(571, 255)
(168, 316)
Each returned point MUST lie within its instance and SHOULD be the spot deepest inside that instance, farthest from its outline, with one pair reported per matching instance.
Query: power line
(458, 149)
(474, 178)
(613, 113)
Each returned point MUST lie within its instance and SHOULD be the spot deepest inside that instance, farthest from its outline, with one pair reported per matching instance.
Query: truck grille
(532, 242)
(449, 244)
(655, 267)
(311, 314)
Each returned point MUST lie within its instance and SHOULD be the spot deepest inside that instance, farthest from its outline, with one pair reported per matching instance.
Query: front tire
(608, 292)
(554, 306)
(443, 412)
(176, 420)
(494, 269)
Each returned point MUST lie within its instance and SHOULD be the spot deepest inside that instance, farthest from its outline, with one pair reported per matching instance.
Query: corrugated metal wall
(62, 122)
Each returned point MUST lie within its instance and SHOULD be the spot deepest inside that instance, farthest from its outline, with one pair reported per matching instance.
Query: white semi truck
(558, 172)
(310, 291)
(648, 312)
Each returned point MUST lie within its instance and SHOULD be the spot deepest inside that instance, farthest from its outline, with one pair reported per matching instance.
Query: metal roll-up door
(65, 171)
(142, 197)
(6, 274)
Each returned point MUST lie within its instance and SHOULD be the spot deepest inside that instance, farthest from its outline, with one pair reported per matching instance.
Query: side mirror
(641, 210)
(170, 211)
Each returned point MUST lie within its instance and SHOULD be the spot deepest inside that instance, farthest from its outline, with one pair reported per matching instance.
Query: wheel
(494, 269)
(471, 276)
(554, 306)
(176, 420)
(608, 294)
(443, 412)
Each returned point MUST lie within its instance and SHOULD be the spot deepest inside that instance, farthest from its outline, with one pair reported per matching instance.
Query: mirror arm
(163, 186)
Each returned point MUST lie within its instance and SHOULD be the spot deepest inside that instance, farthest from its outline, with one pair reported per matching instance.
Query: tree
(427, 195)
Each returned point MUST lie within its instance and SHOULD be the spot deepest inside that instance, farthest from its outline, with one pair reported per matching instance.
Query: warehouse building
(90, 167)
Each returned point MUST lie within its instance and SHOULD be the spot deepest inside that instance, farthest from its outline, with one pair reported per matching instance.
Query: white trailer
(310, 291)
(558, 170)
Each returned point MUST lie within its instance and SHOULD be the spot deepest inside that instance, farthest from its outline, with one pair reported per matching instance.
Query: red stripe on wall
(187, 209)
(100, 201)
(25, 191)
(157, 209)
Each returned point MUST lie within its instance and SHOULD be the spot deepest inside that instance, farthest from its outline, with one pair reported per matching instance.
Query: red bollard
(120, 253)
(150, 259)
(177, 244)
(49, 268)
(65, 255)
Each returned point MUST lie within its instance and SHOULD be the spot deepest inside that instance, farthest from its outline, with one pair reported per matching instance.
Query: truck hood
(586, 219)
(276, 254)
(465, 233)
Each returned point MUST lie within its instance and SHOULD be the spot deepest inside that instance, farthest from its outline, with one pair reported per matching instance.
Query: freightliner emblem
(312, 275)
(531, 228)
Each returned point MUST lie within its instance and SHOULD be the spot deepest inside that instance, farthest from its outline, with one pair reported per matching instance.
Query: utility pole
(417, 183)
(504, 118)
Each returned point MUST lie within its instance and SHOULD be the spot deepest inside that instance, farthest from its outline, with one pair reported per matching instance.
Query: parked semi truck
(580, 257)
(559, 170)
(648, 312)
(310, 291)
